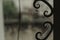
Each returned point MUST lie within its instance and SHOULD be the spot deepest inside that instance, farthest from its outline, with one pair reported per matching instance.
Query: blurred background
(31, 23)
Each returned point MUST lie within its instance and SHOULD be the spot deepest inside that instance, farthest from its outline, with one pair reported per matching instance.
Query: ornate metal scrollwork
(44, 36)
(37, 6)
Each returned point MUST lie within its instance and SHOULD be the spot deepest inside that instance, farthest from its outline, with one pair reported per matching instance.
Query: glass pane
(36, 22)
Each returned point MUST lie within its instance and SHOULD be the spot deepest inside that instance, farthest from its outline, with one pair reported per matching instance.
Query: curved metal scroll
(37, 6)
(46, 34)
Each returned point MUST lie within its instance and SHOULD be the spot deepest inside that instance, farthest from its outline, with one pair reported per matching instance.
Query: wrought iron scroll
(47, 33)
(37, 6)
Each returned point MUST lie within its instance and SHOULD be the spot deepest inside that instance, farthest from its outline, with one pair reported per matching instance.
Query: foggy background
(27, 32)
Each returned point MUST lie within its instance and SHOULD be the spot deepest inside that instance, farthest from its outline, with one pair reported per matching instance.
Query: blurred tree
(9, 9)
